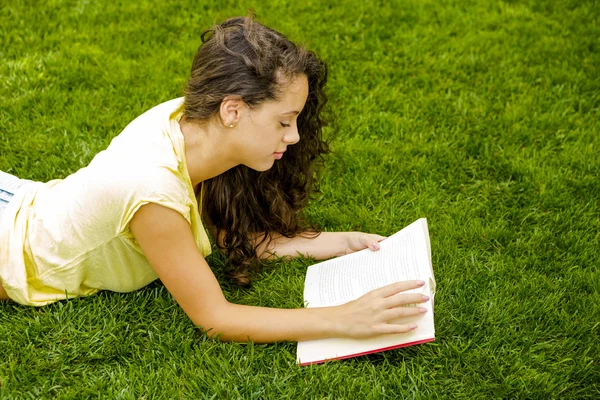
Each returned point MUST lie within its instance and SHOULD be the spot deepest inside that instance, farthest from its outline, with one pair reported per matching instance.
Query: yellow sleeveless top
(70, 237)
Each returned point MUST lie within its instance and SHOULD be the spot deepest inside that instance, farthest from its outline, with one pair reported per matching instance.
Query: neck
(207, 150)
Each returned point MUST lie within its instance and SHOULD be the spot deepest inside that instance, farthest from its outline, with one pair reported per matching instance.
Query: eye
(284, 125)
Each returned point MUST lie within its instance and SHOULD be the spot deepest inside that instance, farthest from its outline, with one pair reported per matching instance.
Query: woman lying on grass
(237, 150)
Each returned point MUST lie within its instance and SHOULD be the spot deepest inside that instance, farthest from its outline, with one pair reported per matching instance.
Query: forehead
(296, 86)
(293, 95)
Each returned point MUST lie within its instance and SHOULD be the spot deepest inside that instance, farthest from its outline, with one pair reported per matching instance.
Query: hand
(358, 241)
(369, 315)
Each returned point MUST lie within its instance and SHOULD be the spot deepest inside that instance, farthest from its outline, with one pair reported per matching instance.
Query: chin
(260, 167)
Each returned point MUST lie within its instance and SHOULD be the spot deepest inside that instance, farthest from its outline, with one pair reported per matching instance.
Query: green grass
(482, 116)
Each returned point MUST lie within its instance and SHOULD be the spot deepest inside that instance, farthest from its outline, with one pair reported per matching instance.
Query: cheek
(261, 130)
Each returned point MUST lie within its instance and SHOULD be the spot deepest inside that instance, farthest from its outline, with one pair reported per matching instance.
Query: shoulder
(172, 224)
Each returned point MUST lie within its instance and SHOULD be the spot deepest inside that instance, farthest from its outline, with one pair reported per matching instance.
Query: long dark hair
(243, 57)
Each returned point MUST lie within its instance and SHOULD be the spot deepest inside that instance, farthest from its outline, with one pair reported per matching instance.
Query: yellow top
(70, 237)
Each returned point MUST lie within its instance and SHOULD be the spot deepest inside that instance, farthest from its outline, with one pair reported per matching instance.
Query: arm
(323, 246)
(170, 248)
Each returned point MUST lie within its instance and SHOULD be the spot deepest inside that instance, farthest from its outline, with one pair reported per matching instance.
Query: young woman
(236, 155)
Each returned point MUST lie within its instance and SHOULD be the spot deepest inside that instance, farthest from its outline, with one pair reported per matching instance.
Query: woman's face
(268, 130)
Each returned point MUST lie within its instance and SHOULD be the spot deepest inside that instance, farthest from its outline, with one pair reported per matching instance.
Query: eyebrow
(291, 112)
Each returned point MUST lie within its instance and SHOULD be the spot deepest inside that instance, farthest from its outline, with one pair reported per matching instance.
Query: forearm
(374, 313)
(322, 247)
(241, 323)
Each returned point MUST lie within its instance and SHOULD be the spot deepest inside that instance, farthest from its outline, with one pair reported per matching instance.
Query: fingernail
(375, 246)
(420, 283)
(412, 326)
(422, 310)
(425, 298)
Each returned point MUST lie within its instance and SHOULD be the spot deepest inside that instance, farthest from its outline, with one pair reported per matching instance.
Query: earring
(231, 126)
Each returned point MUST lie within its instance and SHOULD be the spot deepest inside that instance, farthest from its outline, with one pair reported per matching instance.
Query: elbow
(225, 336)
(216, 334)
(265, 245)
(218, 325)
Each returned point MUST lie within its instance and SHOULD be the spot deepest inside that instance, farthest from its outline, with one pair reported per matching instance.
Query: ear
(230, 110)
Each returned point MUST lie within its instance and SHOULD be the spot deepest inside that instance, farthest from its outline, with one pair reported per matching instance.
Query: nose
(292, 136)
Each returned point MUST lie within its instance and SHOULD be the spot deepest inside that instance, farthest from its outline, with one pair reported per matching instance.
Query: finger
(375, 237)
(374, 246)
(398, 287)
(371, 241)
(402, 312)
(404, 299)
(394, 328)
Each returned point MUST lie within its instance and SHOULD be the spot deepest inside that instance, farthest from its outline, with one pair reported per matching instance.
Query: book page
(403, 256)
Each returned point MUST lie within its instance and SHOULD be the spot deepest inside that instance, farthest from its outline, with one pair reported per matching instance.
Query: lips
(278, 155)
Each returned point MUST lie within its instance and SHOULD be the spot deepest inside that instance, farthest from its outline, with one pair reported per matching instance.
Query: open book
(406, 255)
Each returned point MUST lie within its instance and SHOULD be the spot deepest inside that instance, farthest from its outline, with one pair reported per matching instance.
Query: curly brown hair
(245, 58)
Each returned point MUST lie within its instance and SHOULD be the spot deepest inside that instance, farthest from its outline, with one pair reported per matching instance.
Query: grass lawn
(481, 115)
